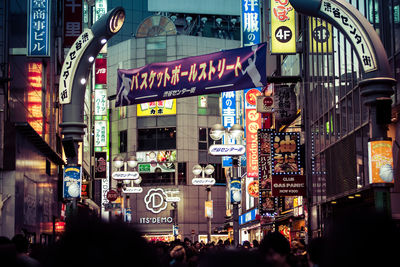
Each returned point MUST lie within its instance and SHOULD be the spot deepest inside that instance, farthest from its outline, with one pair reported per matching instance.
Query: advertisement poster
(223, 71)
(285, 153)
(72, 182)
(157, 160)
(380, 162)
(236, 191)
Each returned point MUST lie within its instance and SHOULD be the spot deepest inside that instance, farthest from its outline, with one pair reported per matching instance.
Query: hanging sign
(227, 150)
(253, 123)
(251, 22)
(233, 69)
(284, 104)
(100, 102)
(283, 27)
(72, 182)
(228, 120)
(285, 151)
(288, 185)
(208, 204)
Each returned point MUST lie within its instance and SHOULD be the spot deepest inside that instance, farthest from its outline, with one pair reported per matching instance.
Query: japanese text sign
(380, 163)
(253, 123)
(283, 26)
(100, 133)
(264, 162)
(39, 28)
(100, 102)
(228, 120)
(71, 63)
(72, 21)
(251, 22)
(223, 71)
(285, 149)
(157, 108)
(285, 104)
(354, 30)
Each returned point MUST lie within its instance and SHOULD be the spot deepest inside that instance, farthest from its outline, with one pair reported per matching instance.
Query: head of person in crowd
(275, 249)
(256, 244)
(246, 244)
(88, 241)
(178, 255)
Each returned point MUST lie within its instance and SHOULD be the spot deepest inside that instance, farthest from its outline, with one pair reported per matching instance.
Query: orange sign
(253, 123)
(380, 159)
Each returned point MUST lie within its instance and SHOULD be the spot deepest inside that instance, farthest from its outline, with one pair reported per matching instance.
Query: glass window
(123, 141)
(156, 139)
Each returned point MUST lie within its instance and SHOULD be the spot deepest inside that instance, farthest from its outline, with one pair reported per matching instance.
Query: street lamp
(125, 179)
(236, 132)
(208, 170)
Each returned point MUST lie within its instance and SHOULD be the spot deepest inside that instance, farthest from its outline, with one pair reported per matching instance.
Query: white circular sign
(155, 200)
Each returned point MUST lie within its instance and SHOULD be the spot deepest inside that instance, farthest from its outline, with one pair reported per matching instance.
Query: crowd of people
(362, 240)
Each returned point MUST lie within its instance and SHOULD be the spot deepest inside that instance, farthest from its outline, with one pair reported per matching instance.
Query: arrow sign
(203, 181)
(227, 150)
(125, 175)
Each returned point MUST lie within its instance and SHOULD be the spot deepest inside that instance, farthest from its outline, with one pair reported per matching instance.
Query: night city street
(199, 133)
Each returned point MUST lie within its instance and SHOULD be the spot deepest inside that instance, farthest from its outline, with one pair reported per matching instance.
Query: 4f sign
(283, 37)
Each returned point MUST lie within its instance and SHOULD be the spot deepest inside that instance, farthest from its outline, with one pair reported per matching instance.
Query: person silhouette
(251, 69)
(123, 90)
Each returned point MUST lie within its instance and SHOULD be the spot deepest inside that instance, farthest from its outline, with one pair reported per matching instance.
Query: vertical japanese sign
(251, 22)
(253, 123)
(72, 181)
(267, 202)
(228, 120)
(380, 162)
(100, 136)
(354, 30)
(100, 165)
(72, 21)
(100, 102)
(35, 115)
(285, 150)
(285, 104)
(101, 8)
(39, 28)
(283, 27)
(320, 36)
(100, 71)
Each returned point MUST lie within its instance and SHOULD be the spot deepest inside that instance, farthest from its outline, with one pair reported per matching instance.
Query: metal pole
(235, 160)
(208, 189)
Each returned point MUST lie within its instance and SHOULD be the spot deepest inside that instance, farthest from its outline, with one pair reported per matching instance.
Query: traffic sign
(112, 195)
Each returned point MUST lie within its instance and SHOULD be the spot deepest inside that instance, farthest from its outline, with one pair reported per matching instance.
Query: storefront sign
(72, 182)
(283, 27)
(156, 220)
(100, 165)
(320, 36)
(380, 162)
(100, 133)
(251, 22)
(285, 104)
(100, 71)
(157, 108)
(100, 102)
(34, 96)
(285, 150)
(223, 71)
(227, 150)
(264, 163)
(248, 216)
(288, 185)
(155, 200)
(265, 104)
(355, 32)
(203, 181)
(72, 21)
(39, 28)
(253, 123)
(71, 63)
(250, 97)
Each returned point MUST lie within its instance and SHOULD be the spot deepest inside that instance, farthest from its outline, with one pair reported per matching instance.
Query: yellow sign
(320, 36)
(157, 108)
(380, 159)
(283, 27)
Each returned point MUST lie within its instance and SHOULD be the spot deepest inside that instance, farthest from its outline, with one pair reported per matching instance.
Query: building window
(157, 139)
(123, 141)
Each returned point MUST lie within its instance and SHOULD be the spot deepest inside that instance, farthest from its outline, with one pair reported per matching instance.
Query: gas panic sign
(283, 35)
(354, 31)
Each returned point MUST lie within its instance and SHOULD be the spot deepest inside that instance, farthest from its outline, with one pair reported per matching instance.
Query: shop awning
(25, 129)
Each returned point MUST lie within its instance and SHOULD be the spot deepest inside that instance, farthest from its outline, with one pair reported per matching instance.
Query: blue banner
(39, 28)
(251, 22)
(228, 119)
(228, 70)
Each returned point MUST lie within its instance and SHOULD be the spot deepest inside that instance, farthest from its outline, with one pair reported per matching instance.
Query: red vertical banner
(253, 123)
(72, 21)
(101, 71)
